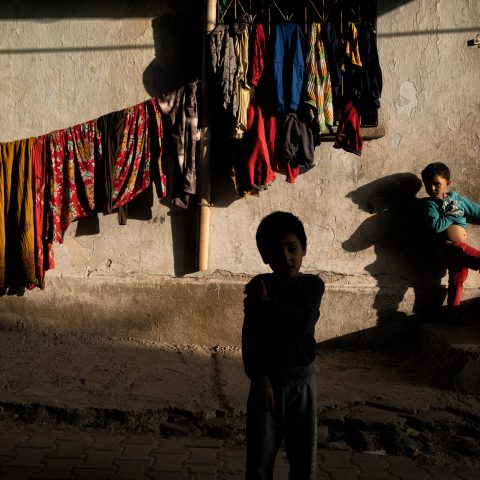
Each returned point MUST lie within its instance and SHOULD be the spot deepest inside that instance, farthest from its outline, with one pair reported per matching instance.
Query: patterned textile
(17, 251)
(43, 248)
(73, 153)
(318, 88)
(131, 167)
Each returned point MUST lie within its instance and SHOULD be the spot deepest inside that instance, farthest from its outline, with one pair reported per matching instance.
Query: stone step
(454, 352)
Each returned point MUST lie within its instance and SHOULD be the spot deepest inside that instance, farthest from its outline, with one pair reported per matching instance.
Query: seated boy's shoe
(456, 317)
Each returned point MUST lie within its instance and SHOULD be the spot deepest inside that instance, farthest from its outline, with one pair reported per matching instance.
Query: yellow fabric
(351, 45)
(244, 90)
(17, 252)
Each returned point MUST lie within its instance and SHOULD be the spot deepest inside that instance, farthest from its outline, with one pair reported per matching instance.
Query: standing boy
(446, 214)
(278, 347)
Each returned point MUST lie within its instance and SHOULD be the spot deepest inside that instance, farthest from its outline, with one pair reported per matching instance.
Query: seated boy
(446, 214)
(278, 347)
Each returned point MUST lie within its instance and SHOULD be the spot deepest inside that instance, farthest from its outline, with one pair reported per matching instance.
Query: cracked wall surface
(55, 72)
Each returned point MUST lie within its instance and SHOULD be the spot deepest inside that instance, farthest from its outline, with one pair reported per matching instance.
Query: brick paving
(100, 456)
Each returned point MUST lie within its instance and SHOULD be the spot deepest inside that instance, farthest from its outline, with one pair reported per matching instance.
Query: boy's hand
(256, 290)
(263, 398)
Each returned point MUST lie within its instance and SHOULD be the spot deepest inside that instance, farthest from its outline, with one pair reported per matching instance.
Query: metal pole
(204, 174)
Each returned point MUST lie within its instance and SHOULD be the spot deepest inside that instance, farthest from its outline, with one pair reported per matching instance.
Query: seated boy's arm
(471, 209)
(436, 222)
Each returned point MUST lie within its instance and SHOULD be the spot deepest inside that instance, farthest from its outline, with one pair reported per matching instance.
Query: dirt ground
(368, 400)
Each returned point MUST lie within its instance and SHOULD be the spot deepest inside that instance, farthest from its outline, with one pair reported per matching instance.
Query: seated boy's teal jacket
(452, 210)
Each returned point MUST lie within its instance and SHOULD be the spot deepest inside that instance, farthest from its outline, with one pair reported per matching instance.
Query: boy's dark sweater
(278, 341)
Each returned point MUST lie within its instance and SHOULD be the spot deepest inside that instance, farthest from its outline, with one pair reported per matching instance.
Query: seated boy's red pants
(458, 257)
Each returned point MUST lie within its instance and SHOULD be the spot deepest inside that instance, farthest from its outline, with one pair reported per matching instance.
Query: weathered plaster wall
(55, 72)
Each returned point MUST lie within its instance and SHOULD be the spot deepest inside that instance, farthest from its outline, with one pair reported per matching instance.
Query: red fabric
(43, 248)
(131, 166)
(458, 257)
(73, 153)
(348, 132)
(255, 170)
(259, 51)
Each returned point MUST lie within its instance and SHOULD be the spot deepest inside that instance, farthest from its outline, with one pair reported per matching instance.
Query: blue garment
(452, 210)
(288, 66)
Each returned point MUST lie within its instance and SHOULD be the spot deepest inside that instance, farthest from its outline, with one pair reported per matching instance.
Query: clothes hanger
(234, 2)
(281, 13)
(320, 16)
(225, 12)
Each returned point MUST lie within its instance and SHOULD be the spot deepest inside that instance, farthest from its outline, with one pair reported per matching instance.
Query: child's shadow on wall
(404, 257)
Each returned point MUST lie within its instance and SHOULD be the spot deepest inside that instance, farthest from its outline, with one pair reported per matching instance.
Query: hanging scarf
(318, 88)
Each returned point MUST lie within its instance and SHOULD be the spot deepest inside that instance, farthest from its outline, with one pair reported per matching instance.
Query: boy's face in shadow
(285, 255)
(436, 186)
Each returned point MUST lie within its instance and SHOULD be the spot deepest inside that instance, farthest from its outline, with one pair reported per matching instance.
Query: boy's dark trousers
(294, 420)
(458, 258)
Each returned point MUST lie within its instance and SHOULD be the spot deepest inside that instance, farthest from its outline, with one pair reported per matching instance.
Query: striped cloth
(318, 87)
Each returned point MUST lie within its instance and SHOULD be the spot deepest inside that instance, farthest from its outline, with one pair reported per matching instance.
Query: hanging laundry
(112, 130)
(297, 143)
(335, 60)
(158, 168)
(132, 157)
(74, 152)
(224, 66)
(17, 231)
(179, 109)
(288, 67)
(43, 247)
(367, 81)
(348, 134)
(318, 88)
(242, 29)
(352, 50)
(259, 53)
(253, 171)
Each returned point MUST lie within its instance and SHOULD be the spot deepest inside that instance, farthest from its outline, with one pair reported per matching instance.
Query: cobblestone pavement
(101, 456)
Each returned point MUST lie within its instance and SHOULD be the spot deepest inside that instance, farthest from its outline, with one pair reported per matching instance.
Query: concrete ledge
(204, 311)
(455, 355)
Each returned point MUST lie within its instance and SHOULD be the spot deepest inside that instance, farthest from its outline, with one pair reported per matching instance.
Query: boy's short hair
(276, 225)
(436, 168)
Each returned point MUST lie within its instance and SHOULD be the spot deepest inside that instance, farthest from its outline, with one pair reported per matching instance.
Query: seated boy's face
(436, 186)
(285, 256)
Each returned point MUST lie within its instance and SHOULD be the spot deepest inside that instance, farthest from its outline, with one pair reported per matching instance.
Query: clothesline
(92, 167)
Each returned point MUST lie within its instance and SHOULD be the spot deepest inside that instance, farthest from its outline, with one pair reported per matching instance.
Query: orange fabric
(17, 251)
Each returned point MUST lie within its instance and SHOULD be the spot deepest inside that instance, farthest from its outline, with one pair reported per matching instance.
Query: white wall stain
(408, 98)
